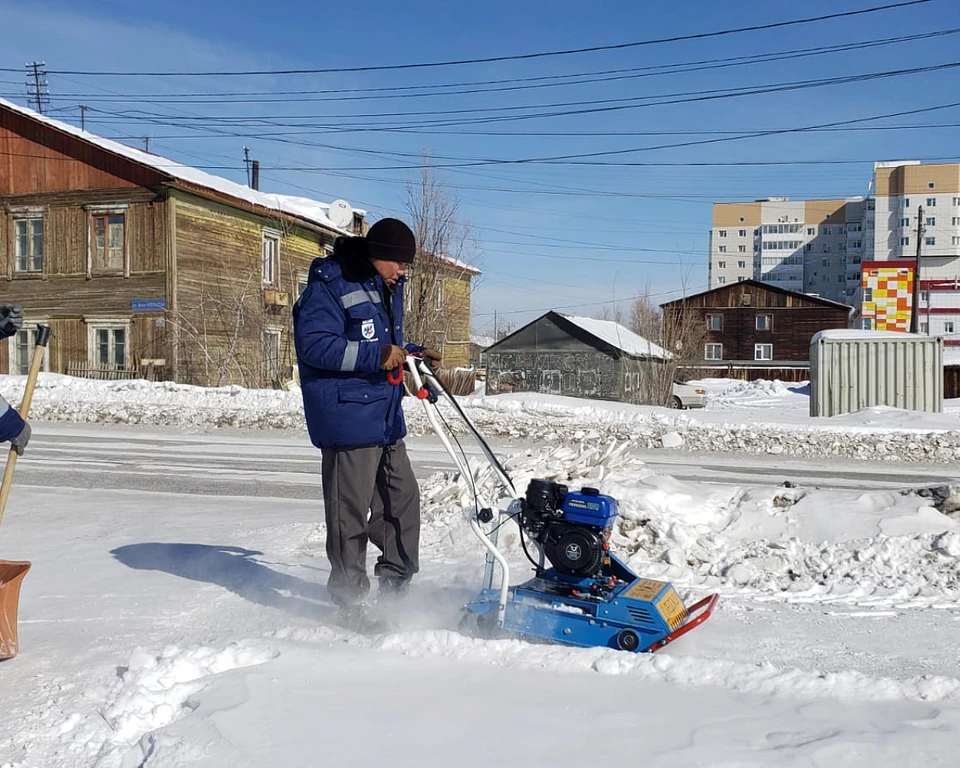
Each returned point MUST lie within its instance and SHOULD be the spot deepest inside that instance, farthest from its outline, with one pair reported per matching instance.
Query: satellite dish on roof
(341, 214)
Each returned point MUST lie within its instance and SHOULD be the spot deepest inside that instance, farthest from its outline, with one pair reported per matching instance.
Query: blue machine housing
(589, 507)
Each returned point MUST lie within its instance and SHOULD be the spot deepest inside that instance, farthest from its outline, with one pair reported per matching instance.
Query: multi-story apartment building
(811, 246)
(860, 251)
(916, 211)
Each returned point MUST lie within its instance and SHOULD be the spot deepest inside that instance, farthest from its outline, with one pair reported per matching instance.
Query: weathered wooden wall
(220, 311)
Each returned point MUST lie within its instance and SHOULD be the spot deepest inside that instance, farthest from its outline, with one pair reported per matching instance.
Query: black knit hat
(391, 240)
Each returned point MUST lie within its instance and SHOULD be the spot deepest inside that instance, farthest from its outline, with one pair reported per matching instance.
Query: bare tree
(680, 330)
(442, 244)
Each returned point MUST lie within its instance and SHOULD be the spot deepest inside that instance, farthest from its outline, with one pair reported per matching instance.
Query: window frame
(769, 322)
(28, 327)
(710, 318)
(712, 346)
(95, 212)
(275, 237)
(28, 217)
(758, 350)
(272, 331)
(108, 324)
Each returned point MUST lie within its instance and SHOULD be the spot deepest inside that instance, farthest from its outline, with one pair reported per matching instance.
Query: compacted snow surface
(176, 612)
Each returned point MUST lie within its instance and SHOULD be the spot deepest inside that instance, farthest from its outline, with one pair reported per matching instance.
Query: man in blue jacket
(348, 331)
(12, 426)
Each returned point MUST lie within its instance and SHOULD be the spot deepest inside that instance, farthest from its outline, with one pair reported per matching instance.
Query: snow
(853, 334)
(176, 615)
(310, 210)
(617, 336)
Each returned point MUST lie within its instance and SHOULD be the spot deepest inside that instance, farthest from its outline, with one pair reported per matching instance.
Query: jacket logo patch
(368, 329)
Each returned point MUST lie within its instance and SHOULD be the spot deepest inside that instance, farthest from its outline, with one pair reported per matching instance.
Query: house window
(28, 237)
(955, 240)
(721, 280)
(722, 233)
(948, 326)
(741, 249)
(743, 233)
(742, 264)
(905, 221)
(905, 203)
(764, 322)
(826, 231)
(721, 265)
(723, 249)
(301, 283)
(271, 354)
(763, 351)
(930, 221)
(438, 295)
(868, 294)
(109, 242)
(713, 352)
(714, 322)
(811, 231)
(904, 241)
(930, 241)
(271, 258)
(931, 202)
(826, 247)
(955, 221)
(931, 185)
(20, 351)
(826, 262)
(107, 343)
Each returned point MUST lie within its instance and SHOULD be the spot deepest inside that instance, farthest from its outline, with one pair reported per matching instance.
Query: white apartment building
(861, 251)
(810, 246)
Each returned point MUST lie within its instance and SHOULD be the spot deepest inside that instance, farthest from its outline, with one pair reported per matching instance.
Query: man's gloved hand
(11, 319)
(392, 356)
(433, 356)
(20, 441)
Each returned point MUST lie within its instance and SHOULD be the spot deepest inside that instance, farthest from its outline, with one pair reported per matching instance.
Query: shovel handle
(43, 337)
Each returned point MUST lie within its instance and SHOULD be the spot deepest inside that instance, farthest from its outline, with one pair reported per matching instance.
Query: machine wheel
(676, 403)
(628, 640)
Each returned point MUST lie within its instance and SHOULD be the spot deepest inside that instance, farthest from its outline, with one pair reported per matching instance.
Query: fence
(87, 370)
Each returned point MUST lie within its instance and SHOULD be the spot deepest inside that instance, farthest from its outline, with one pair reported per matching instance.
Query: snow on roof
(617, 336)
(302, 207)
(481, 341)
(852, 334)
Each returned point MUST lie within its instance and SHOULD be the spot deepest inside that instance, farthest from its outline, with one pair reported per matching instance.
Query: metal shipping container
(850, 370)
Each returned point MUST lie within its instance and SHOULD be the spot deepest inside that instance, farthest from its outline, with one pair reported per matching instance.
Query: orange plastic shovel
(13, 571)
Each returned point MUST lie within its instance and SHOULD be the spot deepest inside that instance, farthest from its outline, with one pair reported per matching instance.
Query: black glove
(20, 441)
(11, 319)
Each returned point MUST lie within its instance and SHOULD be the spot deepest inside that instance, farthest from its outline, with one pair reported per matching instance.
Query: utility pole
(915, 311)
(83, 116)
(146, 143)
(495, 337)
(246, 162)
(39, 95)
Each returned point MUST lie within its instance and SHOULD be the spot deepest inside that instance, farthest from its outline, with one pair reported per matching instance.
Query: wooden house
(574, 356)
(140, 263)
(756, 330)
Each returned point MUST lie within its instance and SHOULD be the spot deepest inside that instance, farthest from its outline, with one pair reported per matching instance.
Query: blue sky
(570, 236)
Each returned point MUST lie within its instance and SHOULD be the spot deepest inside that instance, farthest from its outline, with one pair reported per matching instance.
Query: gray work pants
(369, 494)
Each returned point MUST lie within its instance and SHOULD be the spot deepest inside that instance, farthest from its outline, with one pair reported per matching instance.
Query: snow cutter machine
(581, 593)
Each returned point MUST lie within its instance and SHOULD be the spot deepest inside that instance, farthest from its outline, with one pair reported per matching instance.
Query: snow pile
(153, 691)
(881, 548)
(875, 433)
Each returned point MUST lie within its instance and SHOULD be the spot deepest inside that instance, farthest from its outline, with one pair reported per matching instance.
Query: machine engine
(571, 527)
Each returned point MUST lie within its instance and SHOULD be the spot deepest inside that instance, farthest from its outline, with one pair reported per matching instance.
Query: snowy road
(176, 615)
(285, 465)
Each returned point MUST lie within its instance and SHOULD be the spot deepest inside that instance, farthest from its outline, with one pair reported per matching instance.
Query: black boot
(393, 587)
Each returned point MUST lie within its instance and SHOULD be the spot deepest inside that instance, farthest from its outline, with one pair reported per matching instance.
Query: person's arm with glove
(11, 319)
(13, 427)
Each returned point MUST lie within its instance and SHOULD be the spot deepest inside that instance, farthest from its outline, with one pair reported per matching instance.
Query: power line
(37, 85)
(514, 57)
(504, 85)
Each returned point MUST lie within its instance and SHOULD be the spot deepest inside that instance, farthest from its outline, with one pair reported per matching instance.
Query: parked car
(686, 395)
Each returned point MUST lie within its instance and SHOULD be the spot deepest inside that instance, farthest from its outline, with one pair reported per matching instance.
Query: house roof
(617, 336)
(765, 287)
(304, 208)
(606, 332)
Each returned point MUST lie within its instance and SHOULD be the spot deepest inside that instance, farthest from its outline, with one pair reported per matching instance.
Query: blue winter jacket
(340, 322)
(11, 424)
